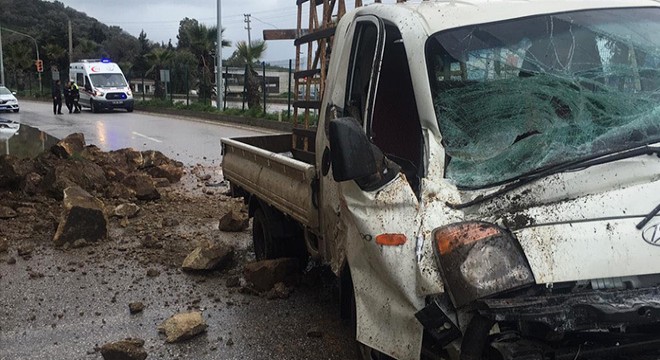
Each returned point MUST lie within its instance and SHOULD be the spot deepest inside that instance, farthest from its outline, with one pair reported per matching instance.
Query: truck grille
(115, 96)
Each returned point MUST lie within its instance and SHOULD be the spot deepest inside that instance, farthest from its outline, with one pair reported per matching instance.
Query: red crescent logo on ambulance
(95, 69)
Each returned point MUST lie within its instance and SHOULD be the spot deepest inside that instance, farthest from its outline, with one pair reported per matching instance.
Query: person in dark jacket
(57, 98)
(68, 96)
(75, 94)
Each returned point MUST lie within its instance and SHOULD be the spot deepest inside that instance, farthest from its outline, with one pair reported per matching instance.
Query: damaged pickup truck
(486, 179)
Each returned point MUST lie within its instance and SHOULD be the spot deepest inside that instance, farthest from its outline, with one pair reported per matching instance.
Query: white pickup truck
(486, 179)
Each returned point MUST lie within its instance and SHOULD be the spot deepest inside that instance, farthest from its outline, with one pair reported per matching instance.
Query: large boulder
(73, 172)
(69, 146)
(170, 172)
(183, 326)
(82, 218)
(127, 349)
(208, 257)
(13, 170)
(143, 185)
(233, 221)
(266, 273)
(153, 158)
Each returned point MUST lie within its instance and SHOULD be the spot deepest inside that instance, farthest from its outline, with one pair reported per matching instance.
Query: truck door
(377, 230)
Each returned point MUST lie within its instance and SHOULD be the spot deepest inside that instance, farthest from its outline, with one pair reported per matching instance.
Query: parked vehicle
(102, 85)
(485, 182)
(8, 100)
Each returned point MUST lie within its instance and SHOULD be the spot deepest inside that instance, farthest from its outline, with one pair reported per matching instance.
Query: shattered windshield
(107, 80)
(517, 96)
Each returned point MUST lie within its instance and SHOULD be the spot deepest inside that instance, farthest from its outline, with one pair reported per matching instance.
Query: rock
(279, 291)
(26, 211)
(32, 183)
(168, 171)
(4, 245)
(208, 257)
(69, 146)
(11, 261)
(153, 158)
(135, 307)
(25, 250)
(82, 218)
(128, 210)
(167, 222)
(7, 212)
(161, 182)
(314, 333)
(234, 221)
(183, 326)
(150, 242)
(13, 170)
(266, 273)
(119, 191)
(127, 349)
(153, 272)
(233, 281)
(74, 172)
(80, 243)
(142, 185)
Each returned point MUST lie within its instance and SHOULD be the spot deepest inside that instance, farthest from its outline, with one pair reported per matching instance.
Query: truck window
(79, 79)
(88, 84)
(363, 57)
(395, 127)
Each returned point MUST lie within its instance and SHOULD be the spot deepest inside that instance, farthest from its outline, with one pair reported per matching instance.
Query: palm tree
(200, 40)
(56, 54)
(158, 58)
(250, 55)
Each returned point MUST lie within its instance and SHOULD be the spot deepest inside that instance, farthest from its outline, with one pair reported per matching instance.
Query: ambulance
(102, 85)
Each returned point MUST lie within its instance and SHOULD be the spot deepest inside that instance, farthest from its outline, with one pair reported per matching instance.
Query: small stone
(25, 250)
(127, 349)
(208, 257)
(153, 272)
(279, 291)
(80, 243)
(234, 221)
(11, 261)
(7, 213)
(183, 326)
(230, 342)
(135, 307)
(4, 245)
(127, 210)
(314, 333)
(266, 273)
(233, 281)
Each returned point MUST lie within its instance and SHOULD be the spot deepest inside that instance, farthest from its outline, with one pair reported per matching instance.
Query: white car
(7, 100)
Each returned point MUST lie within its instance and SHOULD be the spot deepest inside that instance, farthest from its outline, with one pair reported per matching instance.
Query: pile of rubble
(75, 195)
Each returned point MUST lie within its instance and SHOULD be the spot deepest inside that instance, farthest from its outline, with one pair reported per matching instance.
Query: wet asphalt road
(183, 139)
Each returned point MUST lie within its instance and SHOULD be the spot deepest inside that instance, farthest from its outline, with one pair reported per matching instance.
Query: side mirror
(354, 157)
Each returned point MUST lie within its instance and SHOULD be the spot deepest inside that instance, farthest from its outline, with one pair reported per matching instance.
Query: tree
(159, 58)
(200, 40)
(141, 64)
(250, 55)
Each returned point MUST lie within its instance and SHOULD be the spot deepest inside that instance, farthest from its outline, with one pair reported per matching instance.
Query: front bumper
(115, 104)
(588, 310)
(9, 106)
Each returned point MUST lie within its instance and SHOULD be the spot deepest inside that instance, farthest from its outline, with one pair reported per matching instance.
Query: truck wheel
(264, 246)
(93, 106)
(129, 109)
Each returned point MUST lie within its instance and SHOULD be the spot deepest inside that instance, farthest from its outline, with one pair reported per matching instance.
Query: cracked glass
(522, 95)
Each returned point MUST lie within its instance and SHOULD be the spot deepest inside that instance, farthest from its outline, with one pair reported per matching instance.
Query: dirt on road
(67, 289)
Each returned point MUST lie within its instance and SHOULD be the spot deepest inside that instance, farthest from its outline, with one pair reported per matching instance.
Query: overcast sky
(160, 18)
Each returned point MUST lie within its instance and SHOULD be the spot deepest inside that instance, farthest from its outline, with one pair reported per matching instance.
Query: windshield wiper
(571, 165)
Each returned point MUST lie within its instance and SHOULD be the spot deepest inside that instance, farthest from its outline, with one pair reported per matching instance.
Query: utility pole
(2, 64)
(248, 27)
(70, 42)
(218, 56)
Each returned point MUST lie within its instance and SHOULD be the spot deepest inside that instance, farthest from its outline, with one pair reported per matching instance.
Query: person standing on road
(75, 95)
(68, 96)
(57, 98)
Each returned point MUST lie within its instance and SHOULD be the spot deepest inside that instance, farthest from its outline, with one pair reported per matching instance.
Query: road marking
(146, 137)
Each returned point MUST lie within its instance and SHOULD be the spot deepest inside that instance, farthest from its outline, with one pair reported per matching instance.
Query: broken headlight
(479, 259)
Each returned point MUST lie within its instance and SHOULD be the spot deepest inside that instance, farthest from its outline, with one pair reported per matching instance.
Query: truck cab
(101, 84)
(486, 178)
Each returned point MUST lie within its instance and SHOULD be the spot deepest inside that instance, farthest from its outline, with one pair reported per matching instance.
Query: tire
(92, 106)
(475, 340)
(129, 109)
(275, 236)
(15, 110)
(262, 237)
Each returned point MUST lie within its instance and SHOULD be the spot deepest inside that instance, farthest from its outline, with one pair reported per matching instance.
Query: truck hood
(582, 225)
